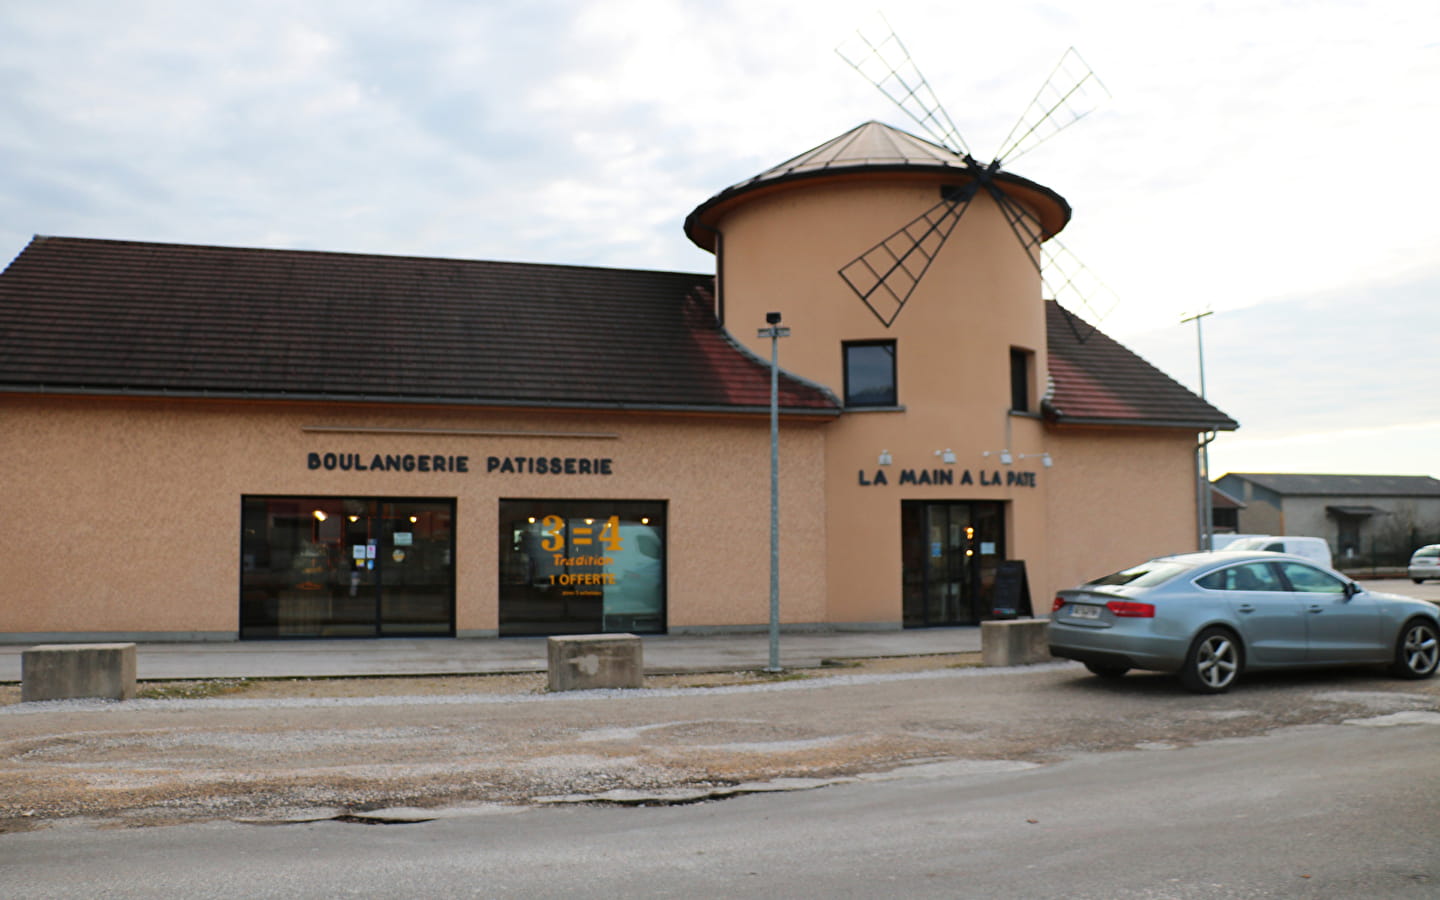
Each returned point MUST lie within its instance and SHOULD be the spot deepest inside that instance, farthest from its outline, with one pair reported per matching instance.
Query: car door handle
(1315, 608)
(1246, 608)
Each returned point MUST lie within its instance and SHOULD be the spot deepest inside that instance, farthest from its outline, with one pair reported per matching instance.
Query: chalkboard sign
(1011, 598)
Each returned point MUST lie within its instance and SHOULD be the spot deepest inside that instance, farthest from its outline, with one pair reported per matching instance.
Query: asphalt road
(1333, 811)
(170, 761)
(1039, 781)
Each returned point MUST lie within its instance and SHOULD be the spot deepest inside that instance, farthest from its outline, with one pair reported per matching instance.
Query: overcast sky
(1271, 161)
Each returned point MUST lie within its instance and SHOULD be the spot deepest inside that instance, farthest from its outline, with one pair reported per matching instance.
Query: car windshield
(1144, 575)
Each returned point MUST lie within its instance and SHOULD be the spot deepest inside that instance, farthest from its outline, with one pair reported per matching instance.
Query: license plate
(1084, 612)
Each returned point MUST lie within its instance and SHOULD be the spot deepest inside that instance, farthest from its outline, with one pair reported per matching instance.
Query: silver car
(1209, 617)
(1425, 563)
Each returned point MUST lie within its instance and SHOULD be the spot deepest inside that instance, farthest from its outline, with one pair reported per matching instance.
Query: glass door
(415, 581)
(337, 567)
(951, 551)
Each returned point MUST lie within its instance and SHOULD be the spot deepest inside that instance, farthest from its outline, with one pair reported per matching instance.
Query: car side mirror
(1351, 589)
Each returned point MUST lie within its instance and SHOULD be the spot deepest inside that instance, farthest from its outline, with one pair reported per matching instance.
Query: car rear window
(1427, 551)
(1144, 575)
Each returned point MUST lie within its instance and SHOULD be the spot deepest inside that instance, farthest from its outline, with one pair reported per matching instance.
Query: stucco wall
(124, 515)
(1119, 497)
(979, 298)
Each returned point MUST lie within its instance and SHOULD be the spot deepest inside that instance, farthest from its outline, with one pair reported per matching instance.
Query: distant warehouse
(1366, 519)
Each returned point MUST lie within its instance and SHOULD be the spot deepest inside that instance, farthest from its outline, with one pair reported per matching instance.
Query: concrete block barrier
(591, 661)
(1015, 642)
(72, 671)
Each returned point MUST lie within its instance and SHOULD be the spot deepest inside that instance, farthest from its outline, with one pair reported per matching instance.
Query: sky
(1267, 161)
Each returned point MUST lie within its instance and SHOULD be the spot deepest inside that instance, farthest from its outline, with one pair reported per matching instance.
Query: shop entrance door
(951, 551)
(346, 567)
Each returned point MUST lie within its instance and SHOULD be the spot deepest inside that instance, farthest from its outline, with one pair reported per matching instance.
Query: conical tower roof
(871, 144)
(870, 148)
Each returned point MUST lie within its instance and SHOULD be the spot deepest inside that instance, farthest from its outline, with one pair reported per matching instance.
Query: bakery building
(211, 443)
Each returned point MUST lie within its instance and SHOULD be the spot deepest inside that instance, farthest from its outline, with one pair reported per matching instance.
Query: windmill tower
(910, 275)
(884, 218)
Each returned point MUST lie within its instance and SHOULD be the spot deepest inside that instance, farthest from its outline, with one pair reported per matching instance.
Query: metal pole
(775, 332)
(1207, 510)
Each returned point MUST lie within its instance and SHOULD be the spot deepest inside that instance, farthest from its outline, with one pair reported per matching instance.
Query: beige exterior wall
(783, 252)
(1126, 496)
(125, 514)
(1112, 497)
(980, 297)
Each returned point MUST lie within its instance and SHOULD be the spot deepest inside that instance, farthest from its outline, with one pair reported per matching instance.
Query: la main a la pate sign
(992, 478)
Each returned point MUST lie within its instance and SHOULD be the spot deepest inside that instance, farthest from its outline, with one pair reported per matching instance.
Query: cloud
(1346, 374)
(1254, 154)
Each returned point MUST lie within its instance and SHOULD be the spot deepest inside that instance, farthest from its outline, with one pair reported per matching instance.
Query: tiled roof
(1343, 485)
(870, 144)
(1094, 380)
(97, 316)
(869, 148)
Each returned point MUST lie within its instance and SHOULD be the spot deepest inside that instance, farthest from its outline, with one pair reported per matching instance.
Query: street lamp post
(1207, 515)
(775, 332)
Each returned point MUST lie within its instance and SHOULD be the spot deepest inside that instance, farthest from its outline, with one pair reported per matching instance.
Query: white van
(1312, 548)
(1224, 541)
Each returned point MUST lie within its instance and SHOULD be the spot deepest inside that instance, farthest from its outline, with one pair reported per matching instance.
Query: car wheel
(1417, 650)
(1107, 671)
(1213, 663)
(1418, 580)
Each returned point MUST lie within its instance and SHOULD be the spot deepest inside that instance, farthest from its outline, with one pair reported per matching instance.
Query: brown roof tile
(79, 315)
(1094, 380)
(96, 316)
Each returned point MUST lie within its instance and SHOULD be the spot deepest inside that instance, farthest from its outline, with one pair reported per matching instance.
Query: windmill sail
(885, 276)
(878, 55)
(1070, 94)
(1071, 283)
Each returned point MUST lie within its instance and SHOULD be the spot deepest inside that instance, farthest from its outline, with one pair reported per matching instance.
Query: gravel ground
(399, 748)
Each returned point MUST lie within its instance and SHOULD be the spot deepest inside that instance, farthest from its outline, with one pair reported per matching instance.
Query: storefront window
(346, 567)
(582, 567)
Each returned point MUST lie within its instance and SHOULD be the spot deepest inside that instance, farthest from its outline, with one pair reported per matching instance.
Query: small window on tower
(1022, 378)
(870, 373)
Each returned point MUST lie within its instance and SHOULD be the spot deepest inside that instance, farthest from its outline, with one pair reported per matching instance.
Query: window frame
(1279, 583)
(1022, 380)
(894, 387)
(1317, 575)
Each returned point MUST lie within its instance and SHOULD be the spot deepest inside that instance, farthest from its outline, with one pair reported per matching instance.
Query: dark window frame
(1022, 378)
(852, 400)
(260, 578)
(580, 615)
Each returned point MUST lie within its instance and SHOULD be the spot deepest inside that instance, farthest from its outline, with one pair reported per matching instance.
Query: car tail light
(1128, 609)
(1059, 602)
